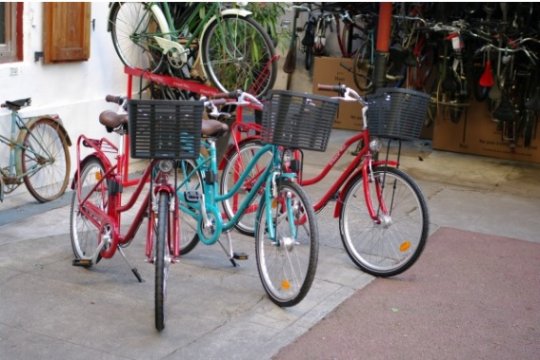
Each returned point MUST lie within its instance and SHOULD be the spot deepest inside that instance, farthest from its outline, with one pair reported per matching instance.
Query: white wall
(75, 91)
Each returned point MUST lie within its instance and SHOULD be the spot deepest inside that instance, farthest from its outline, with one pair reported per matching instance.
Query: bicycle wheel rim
(238, 54)
(390, 247)
(287, 264)
(45, 160)
(85, 236)
(133, 27)
(362, 69)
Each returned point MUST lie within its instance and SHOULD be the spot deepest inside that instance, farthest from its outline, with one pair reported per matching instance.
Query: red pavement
(469, 296)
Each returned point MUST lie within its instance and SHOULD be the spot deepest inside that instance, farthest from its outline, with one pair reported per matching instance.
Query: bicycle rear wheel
(235, 166)
(133, 27)
(85, 236)
(287, 262)
(391, 244)
(45, 160)
(162, 258)
(238, 54)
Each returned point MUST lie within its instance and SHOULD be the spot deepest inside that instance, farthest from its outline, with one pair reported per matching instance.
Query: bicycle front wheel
(189, 181)
(287, 244)
(45, 160)
(162, 258)
(238, 54)
(391, 243)
(91, 188)
(235, 166)
(133, 30)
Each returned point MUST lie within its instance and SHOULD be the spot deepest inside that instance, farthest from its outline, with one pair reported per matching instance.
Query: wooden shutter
(66, 32)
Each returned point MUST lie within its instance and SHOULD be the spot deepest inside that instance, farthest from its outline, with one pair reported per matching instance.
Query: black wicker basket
(165, 129)
(297, 120)
(397, 113)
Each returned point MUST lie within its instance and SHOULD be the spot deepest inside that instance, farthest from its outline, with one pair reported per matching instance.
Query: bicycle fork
(380, 215)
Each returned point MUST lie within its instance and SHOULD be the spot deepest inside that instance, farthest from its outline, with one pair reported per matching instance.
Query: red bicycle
(383, 215)
(97, 207)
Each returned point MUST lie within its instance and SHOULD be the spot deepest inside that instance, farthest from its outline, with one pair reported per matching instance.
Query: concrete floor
(50, 309)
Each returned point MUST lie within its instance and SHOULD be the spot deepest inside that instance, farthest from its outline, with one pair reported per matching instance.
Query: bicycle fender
(23, 132)
(101, 157)
(53, 117)
(238, 12)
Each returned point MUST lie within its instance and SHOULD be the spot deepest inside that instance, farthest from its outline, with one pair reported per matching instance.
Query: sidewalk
(50, 309)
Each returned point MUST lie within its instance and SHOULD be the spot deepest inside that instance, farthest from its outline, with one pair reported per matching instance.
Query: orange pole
(384, 29)
(385, 26)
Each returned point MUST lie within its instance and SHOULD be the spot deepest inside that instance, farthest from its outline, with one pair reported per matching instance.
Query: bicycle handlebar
(345, 93)
(242, 99)
(507, 50)
(115, 99)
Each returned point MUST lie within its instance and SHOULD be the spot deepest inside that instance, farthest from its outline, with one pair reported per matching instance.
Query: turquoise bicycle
(286, 232)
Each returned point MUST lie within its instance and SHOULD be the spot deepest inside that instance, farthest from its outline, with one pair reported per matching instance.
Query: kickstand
(230, 252)
(133, 269)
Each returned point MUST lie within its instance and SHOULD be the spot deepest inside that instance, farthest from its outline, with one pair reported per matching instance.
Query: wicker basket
(165, 129)
(397, 113)
(298, 121)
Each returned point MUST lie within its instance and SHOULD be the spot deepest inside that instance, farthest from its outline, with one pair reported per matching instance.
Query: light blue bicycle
(286, 233)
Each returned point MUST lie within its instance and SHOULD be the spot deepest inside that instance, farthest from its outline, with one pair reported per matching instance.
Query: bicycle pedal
(240, 256)
(86, 263)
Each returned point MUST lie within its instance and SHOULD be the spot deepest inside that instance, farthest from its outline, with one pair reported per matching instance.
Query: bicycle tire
(85, 236)
(235, 164)
(308, 59)
(133, 26)
(188, 224)
(162, 259)
(529, 124)
(256, 55)
(391, 247)
(46, 150)
(291, 281)
(363, 69)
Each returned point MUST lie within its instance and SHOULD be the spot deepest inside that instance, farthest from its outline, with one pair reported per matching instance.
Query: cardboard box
(333, 71)
(476, 133)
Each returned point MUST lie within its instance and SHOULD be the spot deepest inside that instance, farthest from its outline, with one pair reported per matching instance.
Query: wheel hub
(287, 243)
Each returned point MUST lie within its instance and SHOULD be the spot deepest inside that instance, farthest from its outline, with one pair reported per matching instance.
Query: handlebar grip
(114, 99)
(334, 88)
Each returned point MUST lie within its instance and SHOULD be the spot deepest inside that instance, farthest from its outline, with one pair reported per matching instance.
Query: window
(10, 31)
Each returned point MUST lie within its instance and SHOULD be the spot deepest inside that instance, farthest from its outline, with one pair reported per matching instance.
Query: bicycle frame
(211, 196)
(109, 222)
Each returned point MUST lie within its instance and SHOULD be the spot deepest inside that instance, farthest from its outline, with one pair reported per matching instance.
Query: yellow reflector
(285, 284)
(274, 203)
(98, 176)
(405, 246)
